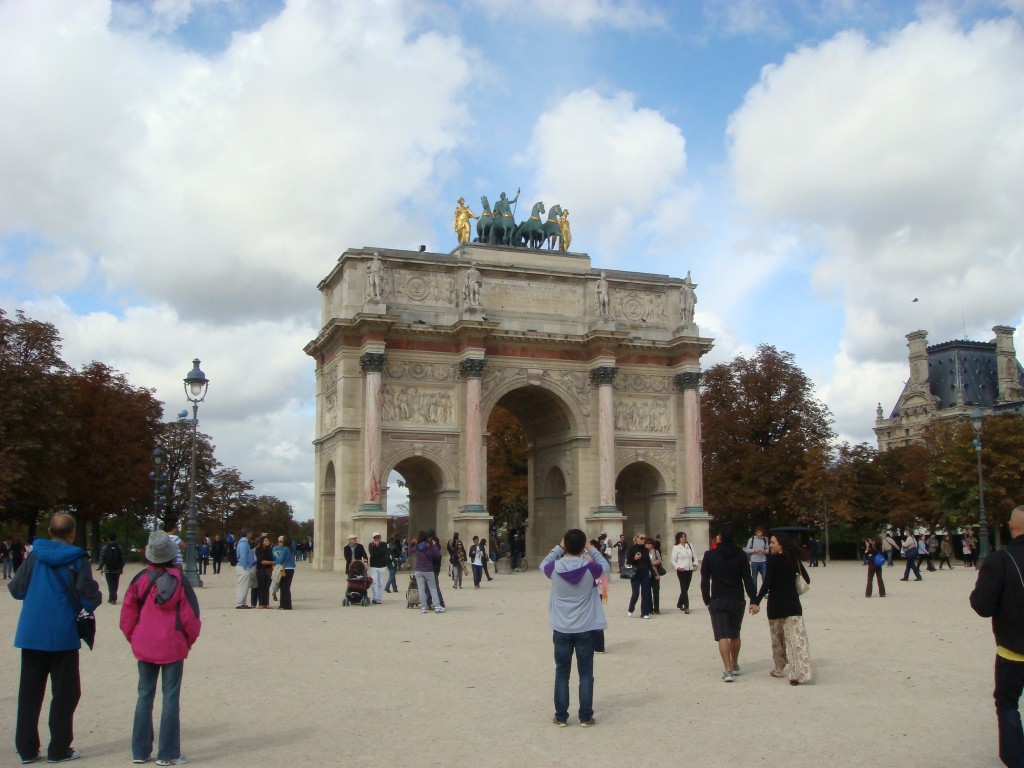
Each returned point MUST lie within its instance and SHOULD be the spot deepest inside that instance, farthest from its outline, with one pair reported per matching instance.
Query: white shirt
(683, 558)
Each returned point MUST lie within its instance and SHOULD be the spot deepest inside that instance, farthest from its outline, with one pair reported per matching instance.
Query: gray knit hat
(160, 548)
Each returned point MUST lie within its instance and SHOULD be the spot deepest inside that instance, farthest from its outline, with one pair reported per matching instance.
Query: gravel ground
(902, 681)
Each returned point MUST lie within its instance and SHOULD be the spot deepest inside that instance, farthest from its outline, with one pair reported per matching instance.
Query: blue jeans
(1009, 685)
(911, 566)
(583, 644)
(169, 747)
(758, 568)
(392, 581)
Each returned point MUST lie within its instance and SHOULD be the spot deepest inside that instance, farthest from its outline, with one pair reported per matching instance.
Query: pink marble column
(472, 371)
(603, 377)
(372, 365)
(693, 499)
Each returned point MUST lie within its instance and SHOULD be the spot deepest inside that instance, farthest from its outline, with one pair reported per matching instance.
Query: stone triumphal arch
(600, 367)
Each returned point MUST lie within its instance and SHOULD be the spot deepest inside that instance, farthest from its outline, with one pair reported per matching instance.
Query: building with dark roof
(948, 381)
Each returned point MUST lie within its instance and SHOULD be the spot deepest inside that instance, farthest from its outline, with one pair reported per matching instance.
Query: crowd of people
(160, 612)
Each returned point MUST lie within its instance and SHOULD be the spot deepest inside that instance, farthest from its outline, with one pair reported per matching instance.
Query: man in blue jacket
(576, 616)
(48, 638)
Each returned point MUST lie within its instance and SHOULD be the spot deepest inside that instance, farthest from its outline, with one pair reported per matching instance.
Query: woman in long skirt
(785, 614)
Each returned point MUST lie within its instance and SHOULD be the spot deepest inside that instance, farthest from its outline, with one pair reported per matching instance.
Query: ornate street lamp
(196, 385)
(159, 479)
(977, 421)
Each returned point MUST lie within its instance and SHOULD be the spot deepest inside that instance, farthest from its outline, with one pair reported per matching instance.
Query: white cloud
(900, 160)
(614, 165)
(224, 184)
(617, 14)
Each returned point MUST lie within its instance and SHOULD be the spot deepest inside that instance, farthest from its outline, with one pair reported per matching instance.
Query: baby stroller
(412, 594)
(357, 585)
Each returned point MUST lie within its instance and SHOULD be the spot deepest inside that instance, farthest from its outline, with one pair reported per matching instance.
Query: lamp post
(196, 385)
(977, 421)
(159, 484)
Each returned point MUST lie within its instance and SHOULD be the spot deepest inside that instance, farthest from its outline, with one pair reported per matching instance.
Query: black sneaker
(73, 754)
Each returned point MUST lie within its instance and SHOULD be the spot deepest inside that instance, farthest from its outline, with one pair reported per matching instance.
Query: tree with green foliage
(176, 441)
(953, 470)
(762, 430)
(112, 429)
(34, 413)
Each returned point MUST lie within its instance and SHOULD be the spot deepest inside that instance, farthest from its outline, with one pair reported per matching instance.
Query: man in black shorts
(724, 575)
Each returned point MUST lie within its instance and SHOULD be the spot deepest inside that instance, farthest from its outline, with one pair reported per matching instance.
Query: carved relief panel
(402, 404)
(644, 416)
(328, 386)
(643, 382)
(419, 287)
(635, 306)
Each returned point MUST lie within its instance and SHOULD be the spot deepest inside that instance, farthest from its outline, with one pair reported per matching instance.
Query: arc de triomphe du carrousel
(601, 368)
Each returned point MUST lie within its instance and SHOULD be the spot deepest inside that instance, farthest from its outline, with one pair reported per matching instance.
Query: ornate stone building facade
(948, 381)
(601, 368)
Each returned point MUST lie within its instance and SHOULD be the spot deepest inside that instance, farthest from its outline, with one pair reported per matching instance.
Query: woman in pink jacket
(160, 618)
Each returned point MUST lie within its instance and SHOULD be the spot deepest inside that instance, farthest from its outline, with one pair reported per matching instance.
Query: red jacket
(160, 615)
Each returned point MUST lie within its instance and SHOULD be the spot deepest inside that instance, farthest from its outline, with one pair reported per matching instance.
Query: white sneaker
(180, 760)
(439, 609)
(424, 610)
(645, 616)
(629, 614)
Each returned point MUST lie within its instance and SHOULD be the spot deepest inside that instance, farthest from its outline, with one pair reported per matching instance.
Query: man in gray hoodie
(576, 616)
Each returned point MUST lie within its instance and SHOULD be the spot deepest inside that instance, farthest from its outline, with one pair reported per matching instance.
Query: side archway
(325, 537)
(425, 481)
(640, 497)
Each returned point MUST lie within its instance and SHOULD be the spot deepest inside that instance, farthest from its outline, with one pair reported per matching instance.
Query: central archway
(425, 483)
(551, 447)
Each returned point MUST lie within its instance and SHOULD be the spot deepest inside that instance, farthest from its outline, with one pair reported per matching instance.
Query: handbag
(85, 621)
(253, 579)
(660, 569)
(802, 585)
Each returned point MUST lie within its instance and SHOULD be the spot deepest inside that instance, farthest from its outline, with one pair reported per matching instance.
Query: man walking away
(724, 575)
(576, 616)
(757, 550)
(999, 593)
(217, 550)
(112, 563)
(56, 572)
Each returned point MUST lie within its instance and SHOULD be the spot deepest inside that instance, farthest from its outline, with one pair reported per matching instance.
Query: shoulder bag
(85, 621)
(802, 585)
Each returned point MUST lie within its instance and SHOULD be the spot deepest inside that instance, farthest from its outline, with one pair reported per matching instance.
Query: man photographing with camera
(576, 615)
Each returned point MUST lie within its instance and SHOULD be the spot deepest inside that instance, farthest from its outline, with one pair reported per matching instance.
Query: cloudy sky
(177, 175)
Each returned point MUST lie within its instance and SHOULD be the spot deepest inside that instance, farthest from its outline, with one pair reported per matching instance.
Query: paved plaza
(902, 681)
